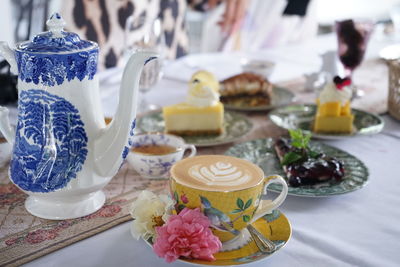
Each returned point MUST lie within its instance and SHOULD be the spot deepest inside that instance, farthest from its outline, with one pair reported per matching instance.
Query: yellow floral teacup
(228, 190)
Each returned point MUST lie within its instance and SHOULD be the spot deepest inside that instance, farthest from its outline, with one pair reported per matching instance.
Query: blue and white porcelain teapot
(63, 153)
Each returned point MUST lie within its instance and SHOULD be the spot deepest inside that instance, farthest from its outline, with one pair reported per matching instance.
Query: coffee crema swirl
(217, 172)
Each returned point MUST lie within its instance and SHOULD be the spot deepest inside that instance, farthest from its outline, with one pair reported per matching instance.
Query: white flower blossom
(148, 211)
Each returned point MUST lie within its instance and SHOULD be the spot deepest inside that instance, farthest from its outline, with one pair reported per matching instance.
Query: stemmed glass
(353, 36)
(145, 34)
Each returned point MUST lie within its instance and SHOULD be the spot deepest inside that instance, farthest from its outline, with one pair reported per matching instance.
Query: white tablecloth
(357, 229)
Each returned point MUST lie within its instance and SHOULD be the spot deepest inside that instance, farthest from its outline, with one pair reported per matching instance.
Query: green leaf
(313, 154)
(295, 134)
(297, 143)
(299, 139)
(240, 203)
(291, 157)
(307, 138)
(246, 218)
(248, 203)
(236, 211)
(176, 196)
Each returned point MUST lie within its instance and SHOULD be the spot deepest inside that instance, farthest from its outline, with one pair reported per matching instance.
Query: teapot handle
(8, 54)
(5, 127)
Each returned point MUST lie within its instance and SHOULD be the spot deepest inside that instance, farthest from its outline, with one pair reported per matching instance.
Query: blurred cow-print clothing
(103, 21)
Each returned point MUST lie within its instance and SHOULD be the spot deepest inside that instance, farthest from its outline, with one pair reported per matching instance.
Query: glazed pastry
(333, 111)
(246, 89)
(202, 113)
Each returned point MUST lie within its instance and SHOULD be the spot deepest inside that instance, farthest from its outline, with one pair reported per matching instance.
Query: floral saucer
(235, 126)
(280, 97)
(302, 117)
(274, 226)
(261, 152)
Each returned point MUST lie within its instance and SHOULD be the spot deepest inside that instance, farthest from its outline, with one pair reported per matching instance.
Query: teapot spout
(112, 146)
(8, 54)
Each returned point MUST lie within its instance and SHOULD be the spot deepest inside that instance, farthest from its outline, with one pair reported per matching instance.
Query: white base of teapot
(65, 208)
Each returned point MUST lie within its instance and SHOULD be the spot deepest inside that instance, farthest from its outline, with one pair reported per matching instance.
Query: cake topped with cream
(339, 90)
(201, 113)
(203, 90)
(333, 108)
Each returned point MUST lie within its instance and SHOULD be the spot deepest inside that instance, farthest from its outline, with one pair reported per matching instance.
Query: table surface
(357, 229)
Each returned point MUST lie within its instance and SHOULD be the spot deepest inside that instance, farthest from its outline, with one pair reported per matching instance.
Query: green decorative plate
(261, 152)
(235, 126)
(275, 226)
(302, 116)
(280, 97)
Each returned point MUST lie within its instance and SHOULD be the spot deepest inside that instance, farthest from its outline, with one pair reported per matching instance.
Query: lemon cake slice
(202, 113)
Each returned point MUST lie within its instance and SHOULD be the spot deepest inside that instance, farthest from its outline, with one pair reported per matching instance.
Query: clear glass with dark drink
(353, 37)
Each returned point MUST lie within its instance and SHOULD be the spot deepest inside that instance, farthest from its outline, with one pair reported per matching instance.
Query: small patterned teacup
(153, 154)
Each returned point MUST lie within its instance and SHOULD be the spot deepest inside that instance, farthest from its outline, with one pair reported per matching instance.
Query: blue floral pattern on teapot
(50, 144)
(52, 70)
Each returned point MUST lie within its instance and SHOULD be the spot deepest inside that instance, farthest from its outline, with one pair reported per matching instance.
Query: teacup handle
(192, 150)
(266, 206)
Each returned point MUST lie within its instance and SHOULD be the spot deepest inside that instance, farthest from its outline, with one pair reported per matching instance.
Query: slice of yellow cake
(202, 113)
(333, 108)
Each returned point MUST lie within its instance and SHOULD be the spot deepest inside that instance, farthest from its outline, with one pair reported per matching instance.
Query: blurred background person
(265, 24)
(104, 21)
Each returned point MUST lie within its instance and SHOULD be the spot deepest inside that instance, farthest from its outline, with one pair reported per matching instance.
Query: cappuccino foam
(216, 173)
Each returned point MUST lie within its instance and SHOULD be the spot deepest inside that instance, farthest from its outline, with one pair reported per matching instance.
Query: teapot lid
(56, 40)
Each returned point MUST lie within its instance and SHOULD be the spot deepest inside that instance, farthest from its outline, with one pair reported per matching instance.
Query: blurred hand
(233, 15)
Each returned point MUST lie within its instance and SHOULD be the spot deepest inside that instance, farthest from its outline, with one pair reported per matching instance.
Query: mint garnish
(302, 151)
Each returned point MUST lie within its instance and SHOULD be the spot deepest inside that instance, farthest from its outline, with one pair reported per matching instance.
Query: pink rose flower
(186, 234)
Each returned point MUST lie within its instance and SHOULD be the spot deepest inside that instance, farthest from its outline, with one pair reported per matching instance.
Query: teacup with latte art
(227, 189)
(217, 173)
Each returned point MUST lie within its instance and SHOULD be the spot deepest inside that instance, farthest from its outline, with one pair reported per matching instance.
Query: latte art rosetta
(220, 173)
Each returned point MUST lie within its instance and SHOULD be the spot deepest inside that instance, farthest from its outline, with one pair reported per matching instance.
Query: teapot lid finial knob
(56, 24)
